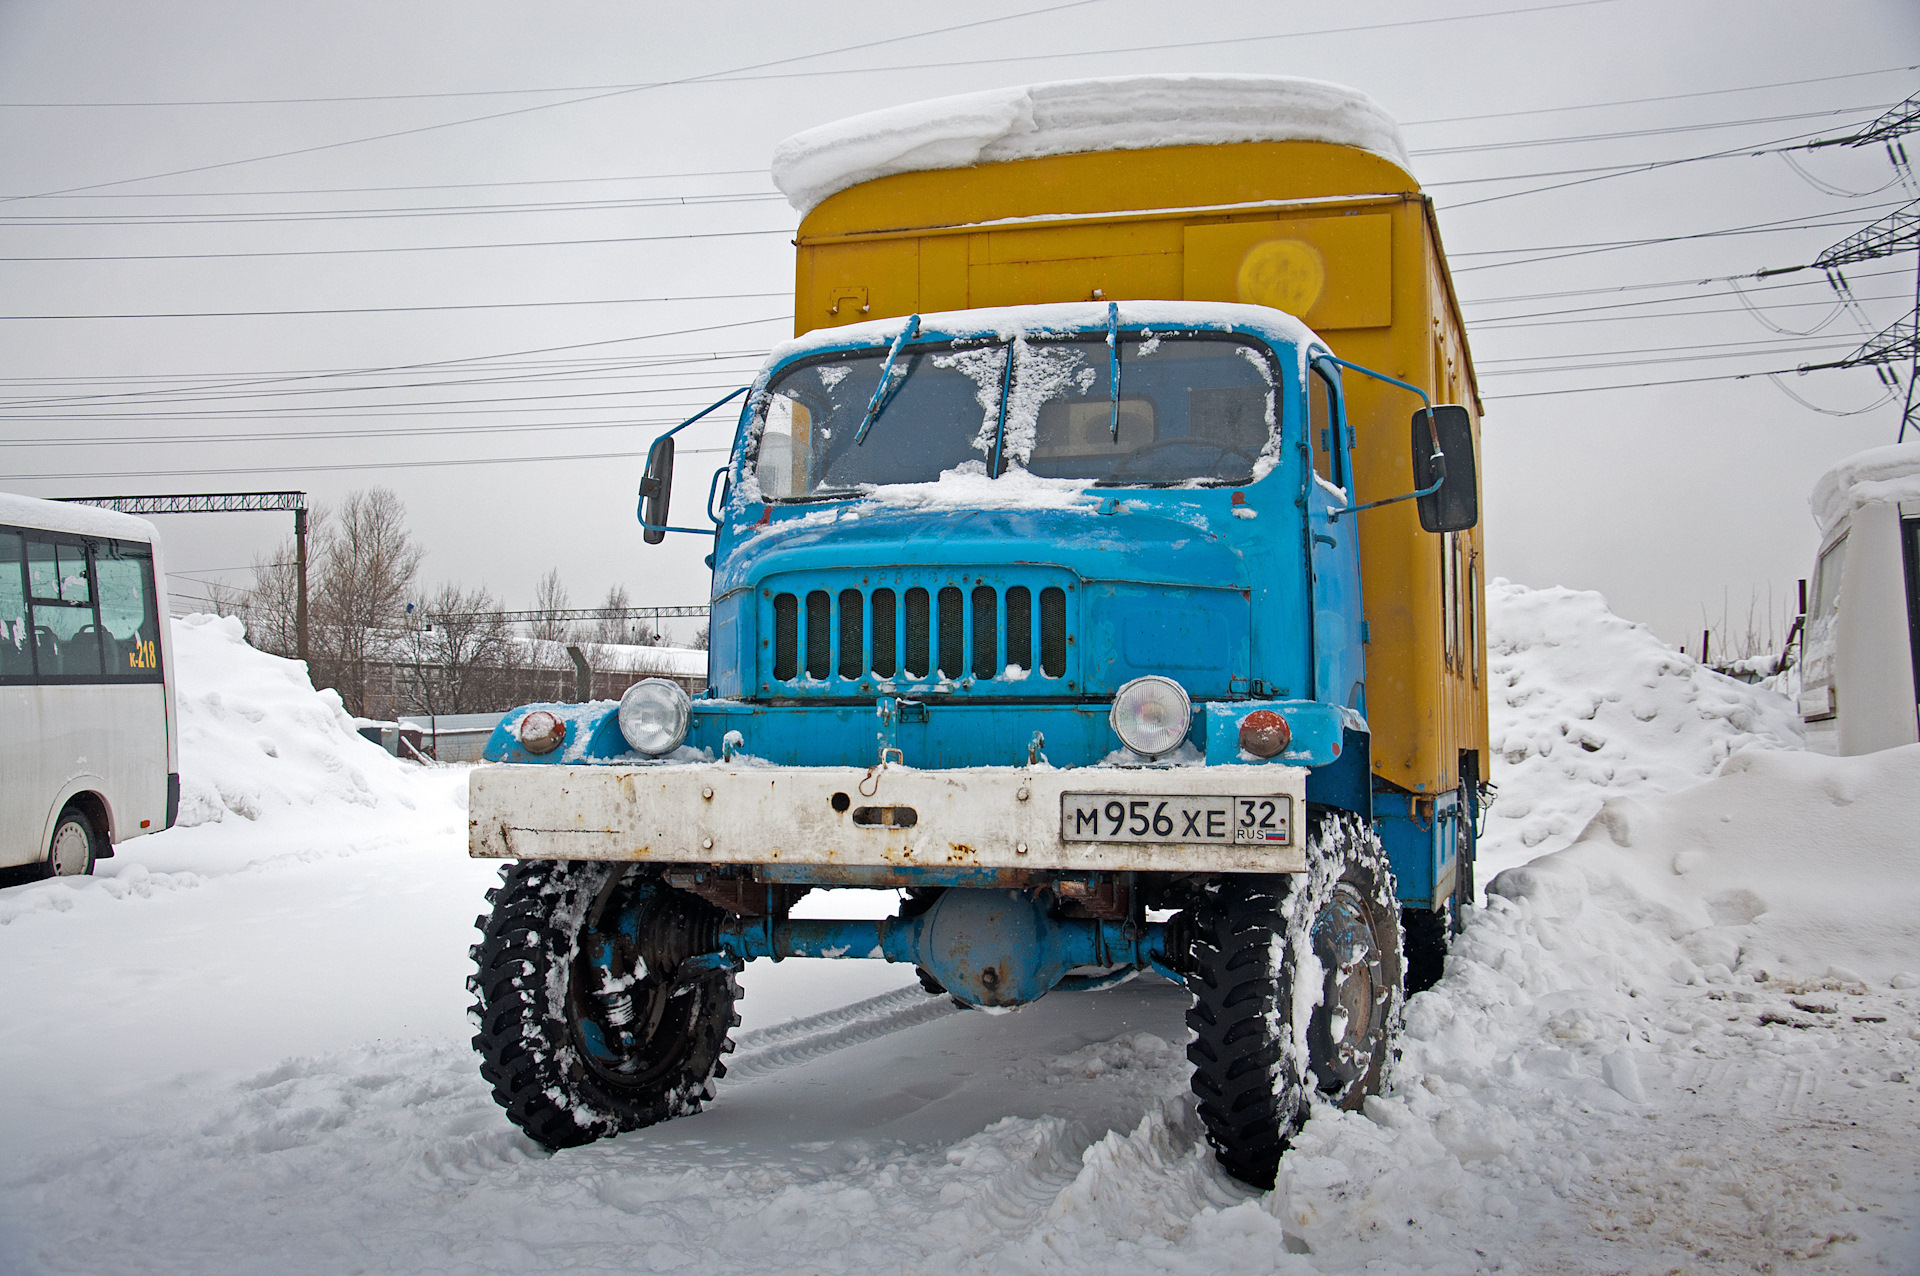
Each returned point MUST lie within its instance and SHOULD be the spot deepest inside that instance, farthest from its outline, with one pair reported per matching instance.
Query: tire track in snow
(788, 1045)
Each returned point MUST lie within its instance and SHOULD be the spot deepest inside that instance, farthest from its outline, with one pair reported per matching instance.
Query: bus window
(16, 639)
(66, 633)
(130, 631)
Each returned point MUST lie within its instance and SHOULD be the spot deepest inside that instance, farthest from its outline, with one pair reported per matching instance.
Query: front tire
(600, 1001)
(1296, 987)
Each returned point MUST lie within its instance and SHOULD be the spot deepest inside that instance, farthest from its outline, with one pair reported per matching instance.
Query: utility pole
(300, 575)
(1898, 232)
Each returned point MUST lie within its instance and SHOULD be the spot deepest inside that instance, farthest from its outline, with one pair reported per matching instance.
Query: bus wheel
(1296, 995)
(71, 851)
(600, 1003)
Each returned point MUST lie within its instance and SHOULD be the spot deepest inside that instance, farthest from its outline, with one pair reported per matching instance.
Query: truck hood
(1128, 544)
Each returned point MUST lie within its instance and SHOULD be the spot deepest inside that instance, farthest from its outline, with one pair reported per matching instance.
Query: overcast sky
(215, 174)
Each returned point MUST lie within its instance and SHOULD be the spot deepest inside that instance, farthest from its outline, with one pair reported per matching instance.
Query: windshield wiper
(880, 396)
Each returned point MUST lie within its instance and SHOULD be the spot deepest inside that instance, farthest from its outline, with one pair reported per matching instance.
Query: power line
(249, 217)
(407, 248)
(744, 76)
(595, 97)
(1559, 252)
(1639, 385)
(385, 310)
(1622, 134)
(359, 465)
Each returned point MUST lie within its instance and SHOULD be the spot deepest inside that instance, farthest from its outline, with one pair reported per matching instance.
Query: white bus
(88, 756)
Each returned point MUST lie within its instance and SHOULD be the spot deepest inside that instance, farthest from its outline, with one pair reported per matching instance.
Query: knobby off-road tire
(572, 1054)
(1296, 993)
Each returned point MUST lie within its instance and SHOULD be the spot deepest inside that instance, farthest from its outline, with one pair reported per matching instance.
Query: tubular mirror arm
(1113, 368)
(875, 406)
(647, 482)
(1439, 457)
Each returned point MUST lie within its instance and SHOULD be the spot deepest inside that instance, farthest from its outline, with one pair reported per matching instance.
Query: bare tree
(462, 655)
(622, 631)
(701, 638)
(549, 601)
(367, 564)
(271, 608)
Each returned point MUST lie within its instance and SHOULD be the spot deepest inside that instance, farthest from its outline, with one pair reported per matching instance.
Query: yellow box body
(1340, 238)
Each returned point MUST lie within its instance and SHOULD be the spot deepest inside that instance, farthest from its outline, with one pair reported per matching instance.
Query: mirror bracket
(656, 485)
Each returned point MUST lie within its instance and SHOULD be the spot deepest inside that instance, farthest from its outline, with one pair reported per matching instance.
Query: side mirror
(1454, 506)
(656, 490)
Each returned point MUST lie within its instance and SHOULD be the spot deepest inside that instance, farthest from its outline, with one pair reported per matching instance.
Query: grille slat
(986, 631)
(953, 634)
(919, 634)
(883, 633)
(786, 637)
(819, 635)
(1053, 632)
(853, 656)
(1020, 627)
(968, 631)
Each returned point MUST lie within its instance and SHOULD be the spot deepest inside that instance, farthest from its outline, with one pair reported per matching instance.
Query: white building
(1863, 622)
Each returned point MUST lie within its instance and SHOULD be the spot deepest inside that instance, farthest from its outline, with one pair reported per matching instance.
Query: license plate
(1214, 819)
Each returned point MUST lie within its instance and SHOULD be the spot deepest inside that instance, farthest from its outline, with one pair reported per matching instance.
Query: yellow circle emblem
(1287, 274)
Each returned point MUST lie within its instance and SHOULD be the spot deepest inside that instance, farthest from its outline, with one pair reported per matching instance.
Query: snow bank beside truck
(1585, 706)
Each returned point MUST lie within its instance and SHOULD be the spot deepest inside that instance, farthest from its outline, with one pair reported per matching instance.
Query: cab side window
(1323, 429)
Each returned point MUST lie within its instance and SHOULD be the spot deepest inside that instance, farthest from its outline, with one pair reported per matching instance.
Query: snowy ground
(1682, 1036)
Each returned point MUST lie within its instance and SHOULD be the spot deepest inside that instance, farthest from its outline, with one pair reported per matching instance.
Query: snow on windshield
(1193, 407)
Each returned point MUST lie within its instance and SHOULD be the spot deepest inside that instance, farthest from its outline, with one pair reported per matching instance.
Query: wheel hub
(1345, 942)
(70, 850)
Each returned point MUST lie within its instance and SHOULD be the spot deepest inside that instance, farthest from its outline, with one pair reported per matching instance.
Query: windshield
(1190, 408)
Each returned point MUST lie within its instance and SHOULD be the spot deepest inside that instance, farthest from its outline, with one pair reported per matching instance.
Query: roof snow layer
(1066, 117)
(1878, 474)
(81, 520)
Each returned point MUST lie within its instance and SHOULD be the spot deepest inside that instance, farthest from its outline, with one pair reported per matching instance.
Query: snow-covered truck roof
(1874, 476)
(1067, 117)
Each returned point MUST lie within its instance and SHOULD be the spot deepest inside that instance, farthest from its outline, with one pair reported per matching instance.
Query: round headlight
(1151, 715)
(541, 732)
(654, 715)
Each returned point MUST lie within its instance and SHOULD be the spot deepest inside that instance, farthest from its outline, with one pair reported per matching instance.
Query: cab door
(1333, 547)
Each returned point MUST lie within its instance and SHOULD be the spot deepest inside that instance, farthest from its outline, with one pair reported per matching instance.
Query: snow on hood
(1866, 478)
(1065, 117)
(81, 520)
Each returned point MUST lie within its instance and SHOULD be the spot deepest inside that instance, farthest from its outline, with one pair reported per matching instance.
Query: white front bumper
(987, 817)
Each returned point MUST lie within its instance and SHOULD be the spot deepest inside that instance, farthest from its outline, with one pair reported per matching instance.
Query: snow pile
(256, 740)
(1584, 706)
(1066, 117)
(1877, 475)
(1785, 859)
